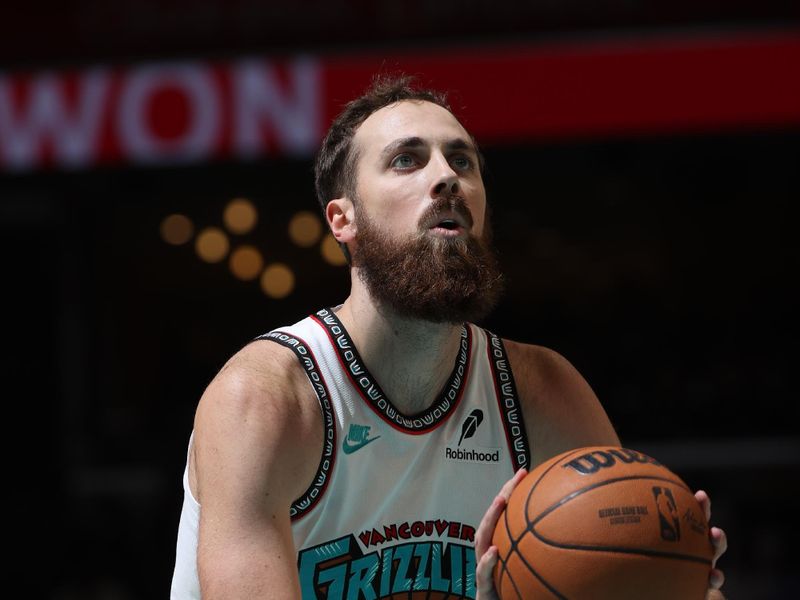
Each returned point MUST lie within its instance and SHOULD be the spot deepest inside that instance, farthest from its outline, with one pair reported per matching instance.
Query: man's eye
(462, 162)
(403, 161)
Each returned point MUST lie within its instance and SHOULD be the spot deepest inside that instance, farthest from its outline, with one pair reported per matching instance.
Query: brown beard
(437, 279)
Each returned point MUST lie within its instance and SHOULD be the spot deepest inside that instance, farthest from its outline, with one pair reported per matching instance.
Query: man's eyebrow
(417, 142)
(408, 142)
(460, 144)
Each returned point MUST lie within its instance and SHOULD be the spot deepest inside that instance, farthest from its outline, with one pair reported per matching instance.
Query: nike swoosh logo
(350, 448)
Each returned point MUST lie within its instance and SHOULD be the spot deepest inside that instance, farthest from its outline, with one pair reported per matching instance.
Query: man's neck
(410, 359)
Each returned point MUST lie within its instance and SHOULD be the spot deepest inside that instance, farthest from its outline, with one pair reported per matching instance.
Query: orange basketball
(602, 523)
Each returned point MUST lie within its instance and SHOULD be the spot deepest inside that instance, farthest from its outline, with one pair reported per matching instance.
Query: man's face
(410, 154)
(420, 244)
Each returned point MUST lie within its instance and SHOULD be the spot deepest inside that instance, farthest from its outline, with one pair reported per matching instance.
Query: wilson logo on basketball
(592, 462)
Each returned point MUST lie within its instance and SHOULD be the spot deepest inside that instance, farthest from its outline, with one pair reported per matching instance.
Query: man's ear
(340, 213)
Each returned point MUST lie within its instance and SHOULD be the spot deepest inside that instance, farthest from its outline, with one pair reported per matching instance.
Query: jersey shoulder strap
(508, 401)
(308, 361)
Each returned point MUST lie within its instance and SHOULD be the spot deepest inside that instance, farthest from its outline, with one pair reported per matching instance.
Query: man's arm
(257, 443)
(561, 410)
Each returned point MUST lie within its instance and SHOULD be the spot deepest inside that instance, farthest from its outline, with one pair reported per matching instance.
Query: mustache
(442, 204)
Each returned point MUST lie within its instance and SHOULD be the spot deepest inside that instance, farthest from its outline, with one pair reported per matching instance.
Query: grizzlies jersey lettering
(396, 500)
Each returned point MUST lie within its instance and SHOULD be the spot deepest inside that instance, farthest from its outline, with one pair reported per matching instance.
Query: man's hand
(485, 553)
(720, 542)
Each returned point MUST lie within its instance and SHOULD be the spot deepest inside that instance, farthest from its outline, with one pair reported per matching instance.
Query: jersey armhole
(508, 402)
(313, 494)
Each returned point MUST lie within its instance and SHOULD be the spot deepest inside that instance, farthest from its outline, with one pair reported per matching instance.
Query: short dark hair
(335, 166)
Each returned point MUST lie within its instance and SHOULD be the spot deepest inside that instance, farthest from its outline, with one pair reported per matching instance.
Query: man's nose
(445, 181)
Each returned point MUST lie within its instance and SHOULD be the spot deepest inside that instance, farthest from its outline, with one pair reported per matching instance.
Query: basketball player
(354, 454)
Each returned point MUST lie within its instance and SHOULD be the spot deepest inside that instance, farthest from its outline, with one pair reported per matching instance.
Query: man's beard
(438, 279)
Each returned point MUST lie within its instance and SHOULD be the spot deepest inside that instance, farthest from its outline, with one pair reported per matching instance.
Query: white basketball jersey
(396, 500)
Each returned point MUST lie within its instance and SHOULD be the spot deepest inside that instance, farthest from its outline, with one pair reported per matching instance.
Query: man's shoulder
(561, 409)
(265, 373)
(543, 375)
(538, 365)
(261, 365)
(255, 413)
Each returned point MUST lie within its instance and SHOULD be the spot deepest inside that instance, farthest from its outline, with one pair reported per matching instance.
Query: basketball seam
(510, 550)
(515, 542)
(533, 487)
(507, 573)
(575, 494)
(621, 550)
(533, 571)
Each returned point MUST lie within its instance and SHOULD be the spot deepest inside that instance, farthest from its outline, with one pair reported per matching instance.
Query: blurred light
(331, 251)
(305, 229)
(176, 229)
(246, 263)
(277, 281)
(240, 215)
(212, 244)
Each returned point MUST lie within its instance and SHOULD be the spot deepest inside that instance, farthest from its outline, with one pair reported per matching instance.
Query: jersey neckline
(369, 390)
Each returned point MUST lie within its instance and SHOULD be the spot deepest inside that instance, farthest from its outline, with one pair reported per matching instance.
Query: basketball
(602, 523)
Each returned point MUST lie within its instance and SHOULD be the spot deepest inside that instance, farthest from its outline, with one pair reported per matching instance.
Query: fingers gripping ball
(602, 523)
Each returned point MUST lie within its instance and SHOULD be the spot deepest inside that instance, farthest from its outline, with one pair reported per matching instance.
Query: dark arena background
(157, 212)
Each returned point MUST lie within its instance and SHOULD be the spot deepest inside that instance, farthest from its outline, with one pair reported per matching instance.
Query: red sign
(194, 111)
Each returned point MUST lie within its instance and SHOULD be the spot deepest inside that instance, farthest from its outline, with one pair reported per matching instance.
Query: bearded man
(369, 449)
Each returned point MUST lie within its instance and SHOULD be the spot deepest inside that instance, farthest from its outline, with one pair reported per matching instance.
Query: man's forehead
(408, 119)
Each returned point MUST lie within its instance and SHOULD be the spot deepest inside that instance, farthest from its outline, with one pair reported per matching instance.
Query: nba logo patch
(667, 514)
